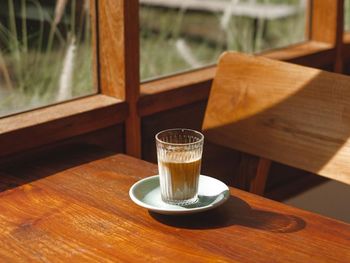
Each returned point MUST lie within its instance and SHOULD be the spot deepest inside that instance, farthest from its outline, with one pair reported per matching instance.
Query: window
(45, 53)
(346, 15)
(181, 35)
(114, 45)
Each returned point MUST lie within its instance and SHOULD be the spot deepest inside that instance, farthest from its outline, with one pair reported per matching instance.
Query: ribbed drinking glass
(179, 154)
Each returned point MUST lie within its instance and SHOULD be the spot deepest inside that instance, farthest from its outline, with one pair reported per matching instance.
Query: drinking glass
(179, 153)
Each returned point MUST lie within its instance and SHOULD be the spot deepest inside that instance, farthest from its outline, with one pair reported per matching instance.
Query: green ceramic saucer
(211, 193)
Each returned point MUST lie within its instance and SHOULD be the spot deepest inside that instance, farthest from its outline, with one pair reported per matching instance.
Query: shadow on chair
(272, 110)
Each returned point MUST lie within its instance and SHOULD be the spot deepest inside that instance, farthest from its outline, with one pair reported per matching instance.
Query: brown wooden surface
(51, 124)
(111, 139)
(73, 205)
(175, 91)
(119, 61)
(189, 87)
(252, 173)
(132, 76)
(287, 113)
(311, 53)
(327, 25)
(111, 48)
(346, 51)
(325, 19)
(218, 161)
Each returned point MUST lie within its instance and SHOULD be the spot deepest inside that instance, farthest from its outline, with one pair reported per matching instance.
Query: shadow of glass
(206, 200)
(235, 211)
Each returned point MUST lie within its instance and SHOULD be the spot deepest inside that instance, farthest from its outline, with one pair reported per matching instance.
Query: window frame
(121, 99)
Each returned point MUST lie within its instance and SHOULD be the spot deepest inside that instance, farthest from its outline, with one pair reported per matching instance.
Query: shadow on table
(29, 168)
(235, 211)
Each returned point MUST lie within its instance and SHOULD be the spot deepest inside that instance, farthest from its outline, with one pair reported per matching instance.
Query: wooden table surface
(75, 206)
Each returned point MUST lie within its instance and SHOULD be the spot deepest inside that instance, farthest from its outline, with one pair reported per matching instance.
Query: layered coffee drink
(179, 162)
(181, 178)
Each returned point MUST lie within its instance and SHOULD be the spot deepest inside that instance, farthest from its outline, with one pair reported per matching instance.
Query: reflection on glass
(179, 35)
(45, 52)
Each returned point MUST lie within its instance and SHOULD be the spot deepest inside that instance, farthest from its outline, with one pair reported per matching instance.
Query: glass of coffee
(179, 154)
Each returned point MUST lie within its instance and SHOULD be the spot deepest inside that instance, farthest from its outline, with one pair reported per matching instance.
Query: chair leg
(258, 182)
(252, 173)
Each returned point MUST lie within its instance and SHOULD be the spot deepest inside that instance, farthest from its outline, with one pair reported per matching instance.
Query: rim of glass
(201, 139)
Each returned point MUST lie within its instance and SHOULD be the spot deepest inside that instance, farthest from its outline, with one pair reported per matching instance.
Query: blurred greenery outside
(205, 38)
(347, 15)
(45, 53)
(35, 48)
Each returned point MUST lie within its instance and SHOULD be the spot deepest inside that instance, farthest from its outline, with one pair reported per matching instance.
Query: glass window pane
(347, 15)
(45, 53)
(179, 35)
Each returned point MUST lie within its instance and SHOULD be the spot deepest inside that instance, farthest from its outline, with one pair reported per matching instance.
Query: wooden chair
(282, 112)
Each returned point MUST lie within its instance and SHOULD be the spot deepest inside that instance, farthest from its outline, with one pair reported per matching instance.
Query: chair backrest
(287, 113)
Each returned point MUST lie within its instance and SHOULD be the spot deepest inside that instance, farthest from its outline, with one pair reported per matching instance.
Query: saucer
(211, 193)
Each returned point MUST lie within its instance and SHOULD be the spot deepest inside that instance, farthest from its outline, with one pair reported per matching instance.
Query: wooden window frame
(116, 58)
(322, 49)
(121, 98)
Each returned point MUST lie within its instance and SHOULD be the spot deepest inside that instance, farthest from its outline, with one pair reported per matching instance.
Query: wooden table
(75, 206)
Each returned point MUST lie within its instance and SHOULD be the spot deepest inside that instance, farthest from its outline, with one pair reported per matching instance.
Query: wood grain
(324, 20)
(51, 124)
(111, 48)
(298, 50)
(327, 25)
(111, 139)
(218, 161)
(73, 205)
(175, 91)
(109, 29)
(132, 76)
(258, 182)
(118, 41)
(291, 114)
(311, 53)
(252, 173)
(189, 87)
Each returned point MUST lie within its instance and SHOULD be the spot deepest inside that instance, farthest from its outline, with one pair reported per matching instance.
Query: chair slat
(287, 113)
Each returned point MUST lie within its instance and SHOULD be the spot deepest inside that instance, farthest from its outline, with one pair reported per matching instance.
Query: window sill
(50, 124)
(189, 87)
